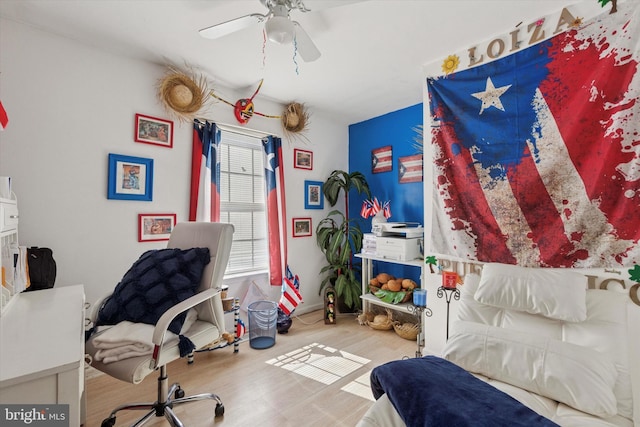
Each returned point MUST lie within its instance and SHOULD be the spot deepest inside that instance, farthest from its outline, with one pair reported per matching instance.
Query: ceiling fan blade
(307, 49)
(228, 27)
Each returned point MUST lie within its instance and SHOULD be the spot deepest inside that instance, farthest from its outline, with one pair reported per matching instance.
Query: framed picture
(154, 227)
(381, 159)
(301, 227)
(130, 178)
(302, 159)
(152, 130)
(313, 197)
(410, 169)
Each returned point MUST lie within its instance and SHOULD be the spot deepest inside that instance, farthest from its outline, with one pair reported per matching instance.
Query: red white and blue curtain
(276, 212)
(205, 173)
(205, 190)
(536, 156)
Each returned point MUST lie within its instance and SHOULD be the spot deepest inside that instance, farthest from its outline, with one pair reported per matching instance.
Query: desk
(42, 349)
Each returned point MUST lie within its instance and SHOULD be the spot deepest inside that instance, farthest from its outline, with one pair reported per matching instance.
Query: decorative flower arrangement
(372, 207)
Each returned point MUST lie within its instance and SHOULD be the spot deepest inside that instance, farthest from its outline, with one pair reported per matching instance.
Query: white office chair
(208, 327)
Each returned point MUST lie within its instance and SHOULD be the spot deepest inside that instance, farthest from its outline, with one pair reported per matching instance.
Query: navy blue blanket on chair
(431, 391)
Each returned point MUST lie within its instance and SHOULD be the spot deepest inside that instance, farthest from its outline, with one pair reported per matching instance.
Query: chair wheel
(108, 422)
(179, 393)
(219, 410)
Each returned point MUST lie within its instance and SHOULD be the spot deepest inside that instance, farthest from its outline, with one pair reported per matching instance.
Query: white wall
(69, 106)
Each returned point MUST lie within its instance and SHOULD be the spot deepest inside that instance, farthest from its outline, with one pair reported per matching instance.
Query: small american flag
(381, 159)
(410, 168)
(291, 297)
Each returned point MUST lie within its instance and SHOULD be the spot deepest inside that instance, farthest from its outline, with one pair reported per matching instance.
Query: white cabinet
(367, 273)
(8, 217)
(42, 349)
(8, 244)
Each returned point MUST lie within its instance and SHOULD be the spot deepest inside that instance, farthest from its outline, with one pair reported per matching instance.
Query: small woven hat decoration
(295, 120)
(181, 94)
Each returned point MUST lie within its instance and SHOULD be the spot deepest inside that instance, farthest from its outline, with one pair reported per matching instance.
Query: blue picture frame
(313, 196)
(130, 178)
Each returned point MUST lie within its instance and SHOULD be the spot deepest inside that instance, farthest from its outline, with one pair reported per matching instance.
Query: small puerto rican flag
(4, 119)
(410, 168)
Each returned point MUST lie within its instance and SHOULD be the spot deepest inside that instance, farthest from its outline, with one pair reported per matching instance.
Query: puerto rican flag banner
(410, 169)
(204, 202)
(4, 118)
(381, 159)
(291, 297)
(276, 213)
(536, 159)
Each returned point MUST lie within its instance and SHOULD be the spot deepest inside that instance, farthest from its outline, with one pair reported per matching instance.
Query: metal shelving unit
(367, 273)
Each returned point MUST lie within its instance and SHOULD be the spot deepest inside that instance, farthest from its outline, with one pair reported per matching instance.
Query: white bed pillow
(556, 294)
(577, 376)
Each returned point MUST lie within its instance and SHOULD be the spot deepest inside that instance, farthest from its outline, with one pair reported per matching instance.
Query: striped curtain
(205, 191)
(276, 213)
(204, 202)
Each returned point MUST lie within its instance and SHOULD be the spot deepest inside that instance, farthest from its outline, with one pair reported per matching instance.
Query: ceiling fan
(278, 26)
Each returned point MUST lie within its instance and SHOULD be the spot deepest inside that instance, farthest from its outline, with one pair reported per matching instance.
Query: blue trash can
(263, 316)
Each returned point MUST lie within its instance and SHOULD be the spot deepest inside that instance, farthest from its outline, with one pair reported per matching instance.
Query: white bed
(555, 340)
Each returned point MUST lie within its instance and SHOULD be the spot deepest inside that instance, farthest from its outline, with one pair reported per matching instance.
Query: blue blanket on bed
(431, 391)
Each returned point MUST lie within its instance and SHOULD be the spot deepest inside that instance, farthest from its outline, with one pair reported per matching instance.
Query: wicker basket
(381, 322)
(407, 331)
(383, 326)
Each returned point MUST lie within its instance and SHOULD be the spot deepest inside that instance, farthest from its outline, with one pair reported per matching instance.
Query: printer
(397, 229)
(399, 241)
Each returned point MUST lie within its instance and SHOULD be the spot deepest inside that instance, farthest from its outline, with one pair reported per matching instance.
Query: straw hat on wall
(182, 95)
(295, 120)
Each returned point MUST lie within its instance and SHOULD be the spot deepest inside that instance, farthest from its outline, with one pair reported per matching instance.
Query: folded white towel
(128, 339)
(123, 340)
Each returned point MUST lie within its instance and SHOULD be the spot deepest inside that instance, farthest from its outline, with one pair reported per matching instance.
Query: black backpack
(42, 268)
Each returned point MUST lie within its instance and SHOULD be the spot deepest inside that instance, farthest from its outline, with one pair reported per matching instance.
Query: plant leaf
(390, 296)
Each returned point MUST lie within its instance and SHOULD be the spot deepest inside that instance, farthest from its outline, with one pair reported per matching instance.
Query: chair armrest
(95, 308)
(163, 323)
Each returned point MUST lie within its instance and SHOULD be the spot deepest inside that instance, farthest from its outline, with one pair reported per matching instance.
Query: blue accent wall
(407, 200)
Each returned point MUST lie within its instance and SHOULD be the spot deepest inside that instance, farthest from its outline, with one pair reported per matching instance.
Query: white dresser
(8, 242)
(42, 349)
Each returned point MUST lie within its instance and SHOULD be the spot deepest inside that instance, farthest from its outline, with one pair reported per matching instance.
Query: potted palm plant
(340, 237)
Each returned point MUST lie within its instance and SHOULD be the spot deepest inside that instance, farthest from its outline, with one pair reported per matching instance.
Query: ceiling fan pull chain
(295, 53)
(264, 47)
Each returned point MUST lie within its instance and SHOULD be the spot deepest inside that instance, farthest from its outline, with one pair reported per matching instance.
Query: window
(242, 201)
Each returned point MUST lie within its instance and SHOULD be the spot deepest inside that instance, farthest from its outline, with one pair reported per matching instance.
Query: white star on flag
(491, 96)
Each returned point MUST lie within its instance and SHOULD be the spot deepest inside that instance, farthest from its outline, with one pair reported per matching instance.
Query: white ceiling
(373, 51)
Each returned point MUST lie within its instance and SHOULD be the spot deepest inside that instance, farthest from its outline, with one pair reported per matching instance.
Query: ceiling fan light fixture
(280, 30)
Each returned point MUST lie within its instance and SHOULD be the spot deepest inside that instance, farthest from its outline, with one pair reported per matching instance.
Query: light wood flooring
(257, 393)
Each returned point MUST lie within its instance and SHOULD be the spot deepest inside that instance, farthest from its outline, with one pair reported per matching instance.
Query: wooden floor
(257, 393)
